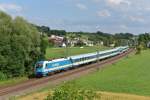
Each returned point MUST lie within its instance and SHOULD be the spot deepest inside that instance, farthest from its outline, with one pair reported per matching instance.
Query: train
(44, 68)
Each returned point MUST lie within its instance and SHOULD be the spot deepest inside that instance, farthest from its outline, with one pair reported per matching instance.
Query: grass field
(12, 81)
(61, 52)
(129, 75)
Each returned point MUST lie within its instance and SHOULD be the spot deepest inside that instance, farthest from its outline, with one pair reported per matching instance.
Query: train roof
(92, 54)
(83, 55)
(54, 60)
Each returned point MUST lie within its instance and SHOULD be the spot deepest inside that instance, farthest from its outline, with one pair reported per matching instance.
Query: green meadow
(63, 52)
(129, 75)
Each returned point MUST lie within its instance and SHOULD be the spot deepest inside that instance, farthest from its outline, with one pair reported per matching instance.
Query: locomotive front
(39, 71)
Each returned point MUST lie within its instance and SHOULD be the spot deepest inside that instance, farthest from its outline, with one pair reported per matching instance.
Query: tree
(30, 42)
(19, 46)
(139, 48)
(144, 39)
(69, 91)
(43, 46)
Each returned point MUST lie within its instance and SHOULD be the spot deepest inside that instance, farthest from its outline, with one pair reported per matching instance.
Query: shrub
(2, 76)
(69, 91)
(139, 48)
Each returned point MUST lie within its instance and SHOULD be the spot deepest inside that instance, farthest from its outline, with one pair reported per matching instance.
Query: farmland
(129, 75)
(61, 52)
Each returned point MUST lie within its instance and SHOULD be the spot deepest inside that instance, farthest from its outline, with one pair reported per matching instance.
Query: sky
(111, 16)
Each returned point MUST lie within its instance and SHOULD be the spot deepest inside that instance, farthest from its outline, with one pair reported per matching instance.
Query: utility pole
(97, 59)
(66, 43)
(67, 49)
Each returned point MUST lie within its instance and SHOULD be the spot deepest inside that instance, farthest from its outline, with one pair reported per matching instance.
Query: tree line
(21, 46)
(117, 39)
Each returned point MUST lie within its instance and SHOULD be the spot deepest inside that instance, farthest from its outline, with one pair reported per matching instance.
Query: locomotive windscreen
(39, 65)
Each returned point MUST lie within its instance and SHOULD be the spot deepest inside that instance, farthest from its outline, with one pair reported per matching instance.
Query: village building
(148, 44)
(57, 40)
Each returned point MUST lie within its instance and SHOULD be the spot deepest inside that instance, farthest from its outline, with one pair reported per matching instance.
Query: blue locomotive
(43, 68)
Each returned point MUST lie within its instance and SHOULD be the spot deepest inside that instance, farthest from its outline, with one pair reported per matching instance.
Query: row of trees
(143, 42)
(96, 37)
(144, 39)
(139, 41)
(49, 32)
(21, 46)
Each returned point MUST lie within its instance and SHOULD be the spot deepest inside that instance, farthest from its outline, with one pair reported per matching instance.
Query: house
(72, 42)
(76, 41)
(112, 45)
(60, 41)
(57, 40)
(148, 44)
(88, 43)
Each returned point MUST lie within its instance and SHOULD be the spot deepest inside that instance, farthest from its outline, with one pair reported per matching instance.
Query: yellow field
(35, 96)
(121, 96)
(101, 95)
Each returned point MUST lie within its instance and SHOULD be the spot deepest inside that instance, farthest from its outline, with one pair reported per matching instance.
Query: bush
(69, 91)
(2, 76)
(139, 49)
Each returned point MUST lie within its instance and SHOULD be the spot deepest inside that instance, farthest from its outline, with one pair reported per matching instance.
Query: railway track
(55, 79)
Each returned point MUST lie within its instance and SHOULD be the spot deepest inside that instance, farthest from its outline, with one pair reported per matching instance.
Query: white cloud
(118, 2)
(146, 8)
(10, 7)
(136, 19)
(81, 6)
(97, 26)
(96, 1)
(103, 13)
(123, 27)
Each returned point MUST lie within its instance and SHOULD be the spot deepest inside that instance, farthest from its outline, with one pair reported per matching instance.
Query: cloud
(96, 1)
(81, 6)
(10, 7)
(147, 8)
(103, 13)
(123, 27)
(118, 2)
(136, 19)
